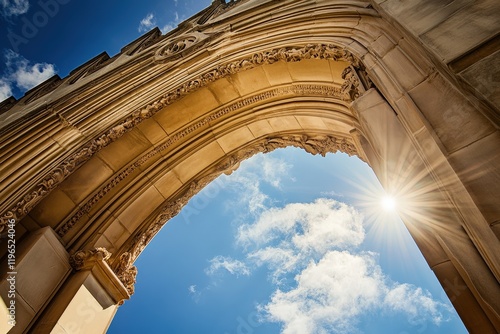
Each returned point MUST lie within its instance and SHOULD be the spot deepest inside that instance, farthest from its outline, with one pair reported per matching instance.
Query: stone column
(432, 219)
(58, 293)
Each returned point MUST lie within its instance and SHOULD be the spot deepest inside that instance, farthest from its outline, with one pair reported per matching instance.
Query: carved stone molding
(300, 89)
(84, 259)
(126, 272)
(320, 144)
(56, 176)
(173, 50)
(356, 82)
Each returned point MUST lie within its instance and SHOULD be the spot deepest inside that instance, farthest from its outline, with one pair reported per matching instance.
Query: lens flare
(388, 203)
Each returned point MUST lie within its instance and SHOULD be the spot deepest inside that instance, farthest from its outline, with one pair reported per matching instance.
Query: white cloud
(147, 23)
(5, 90)
(332, 294)
(172, 24)
(416, 303)
(22, 73)
(14, 7)
(313, 228)
(248, 180)
(323, 282)
(167, 27)
(329, 295)
(192, 289)
(234, 267)
(274, 170)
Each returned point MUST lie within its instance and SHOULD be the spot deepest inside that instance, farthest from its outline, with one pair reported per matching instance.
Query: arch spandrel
(240, 83)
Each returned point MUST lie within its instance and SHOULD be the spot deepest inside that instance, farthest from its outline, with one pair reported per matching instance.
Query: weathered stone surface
(108, 165)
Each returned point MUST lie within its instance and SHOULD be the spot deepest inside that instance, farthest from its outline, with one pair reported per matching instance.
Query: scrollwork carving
(127, 272)
(86, 258)
(289, 54)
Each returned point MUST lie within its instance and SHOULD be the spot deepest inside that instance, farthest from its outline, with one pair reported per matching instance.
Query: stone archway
(97, 162)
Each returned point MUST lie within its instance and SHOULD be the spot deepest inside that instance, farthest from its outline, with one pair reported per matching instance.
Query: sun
(388, 203)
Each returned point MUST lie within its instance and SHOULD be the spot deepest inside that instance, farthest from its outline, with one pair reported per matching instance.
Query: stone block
(311, 122)
(382, 45)
(250, 81)
(85, 315)
(484, 76)
(477, 167)
(284, 123)
(260, 128)
(464, 30)
(402, 68)
(116, 234)
(86, 179)
(137, 210)
(42, 265)
(409, 112)
(198, 161)
(336, 69)
(152, 131)
(223, 90)
(199, 103)
(310, 70)
(168, 184)
(420, 16)
(235, 139)
(277, 73)
(122, 152)
(173, 117)
(52, 209)
(447, 110)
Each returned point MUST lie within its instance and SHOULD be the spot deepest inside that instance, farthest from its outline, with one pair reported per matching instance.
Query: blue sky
(289, 243)
(45, 37)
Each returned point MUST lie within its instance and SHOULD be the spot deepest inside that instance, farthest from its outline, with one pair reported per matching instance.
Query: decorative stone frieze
(300, 89)
(70, 164)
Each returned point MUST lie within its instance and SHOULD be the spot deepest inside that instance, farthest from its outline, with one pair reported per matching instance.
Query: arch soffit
(351, 45)
(78, 158)
(348, 38)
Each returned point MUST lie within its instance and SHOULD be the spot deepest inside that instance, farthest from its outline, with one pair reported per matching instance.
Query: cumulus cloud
(22, 73)
(172, 24)
(329, 295)
(312, 228)
(416, 303)
(335, 283)
(249, 179)
(332, 294)
(147, 23)
(323, 282)
(14, 7)
(234, 267)
(5, 90)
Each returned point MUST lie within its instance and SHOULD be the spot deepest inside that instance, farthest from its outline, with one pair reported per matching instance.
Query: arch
(105, 159)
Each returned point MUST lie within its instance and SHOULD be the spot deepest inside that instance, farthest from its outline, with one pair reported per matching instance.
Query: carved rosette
(181, 46)
(286, 54)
